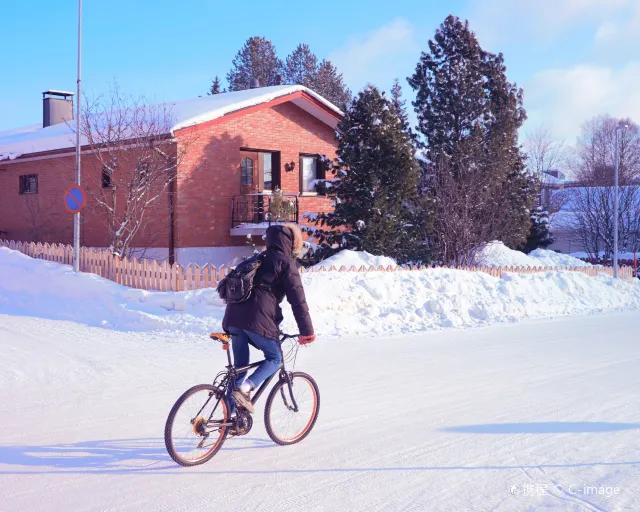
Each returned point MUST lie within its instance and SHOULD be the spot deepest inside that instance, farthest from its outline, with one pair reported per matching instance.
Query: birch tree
(135, 161)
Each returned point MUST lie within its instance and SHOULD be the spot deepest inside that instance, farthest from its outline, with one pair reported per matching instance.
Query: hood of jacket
(285, 238)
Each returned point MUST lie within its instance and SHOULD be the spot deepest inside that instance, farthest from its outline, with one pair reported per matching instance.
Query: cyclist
(256, 320)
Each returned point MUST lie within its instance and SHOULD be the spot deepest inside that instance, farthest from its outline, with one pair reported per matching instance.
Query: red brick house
(243, 145)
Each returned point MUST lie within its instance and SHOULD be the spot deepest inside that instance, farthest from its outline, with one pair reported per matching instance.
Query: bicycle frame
(232, 374)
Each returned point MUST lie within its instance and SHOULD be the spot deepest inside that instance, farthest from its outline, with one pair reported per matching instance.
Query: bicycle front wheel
(291, 411)
(197, 425)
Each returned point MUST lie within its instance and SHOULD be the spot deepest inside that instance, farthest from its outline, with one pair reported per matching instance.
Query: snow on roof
(185, 113)
(54, 91)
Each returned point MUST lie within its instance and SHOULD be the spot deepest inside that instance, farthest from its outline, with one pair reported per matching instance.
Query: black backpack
(238, 285)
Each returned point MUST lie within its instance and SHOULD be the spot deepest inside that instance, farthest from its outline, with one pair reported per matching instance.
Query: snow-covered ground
(542, 415)
(341, 303)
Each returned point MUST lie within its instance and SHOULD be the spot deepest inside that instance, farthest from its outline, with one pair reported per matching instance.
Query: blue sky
(574, 58)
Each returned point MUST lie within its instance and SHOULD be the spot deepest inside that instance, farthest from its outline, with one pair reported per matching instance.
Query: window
(106, 177)
(267, 168)
(308, 173)
(29, 184)
(247, 171)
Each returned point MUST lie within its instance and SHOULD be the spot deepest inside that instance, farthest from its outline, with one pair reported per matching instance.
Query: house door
(249, 172)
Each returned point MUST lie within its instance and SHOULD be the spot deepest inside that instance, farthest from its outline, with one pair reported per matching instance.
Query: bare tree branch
(137, 160)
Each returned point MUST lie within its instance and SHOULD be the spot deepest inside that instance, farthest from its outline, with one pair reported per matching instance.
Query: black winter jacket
(261, 313)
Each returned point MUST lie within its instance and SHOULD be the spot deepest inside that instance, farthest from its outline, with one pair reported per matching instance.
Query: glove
(305, 340)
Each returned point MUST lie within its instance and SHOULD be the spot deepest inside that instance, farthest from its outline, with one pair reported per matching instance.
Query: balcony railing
(266, 209)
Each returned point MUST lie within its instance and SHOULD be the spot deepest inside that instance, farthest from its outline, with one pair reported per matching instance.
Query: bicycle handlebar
(284, 336)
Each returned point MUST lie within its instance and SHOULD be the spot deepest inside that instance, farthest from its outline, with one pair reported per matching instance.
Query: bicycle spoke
(289, 425)
(192, 436)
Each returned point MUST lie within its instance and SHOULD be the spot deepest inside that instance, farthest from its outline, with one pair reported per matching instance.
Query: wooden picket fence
(153, 275)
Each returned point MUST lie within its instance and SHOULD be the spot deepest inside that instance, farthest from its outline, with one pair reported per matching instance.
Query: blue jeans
(270, 348)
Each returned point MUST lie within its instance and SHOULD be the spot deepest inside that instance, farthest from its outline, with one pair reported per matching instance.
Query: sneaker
(243, 399)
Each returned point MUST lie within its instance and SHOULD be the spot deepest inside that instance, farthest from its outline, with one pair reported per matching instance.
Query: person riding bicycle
(256, 320)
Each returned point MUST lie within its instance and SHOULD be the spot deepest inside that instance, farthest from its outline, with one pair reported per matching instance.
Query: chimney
(279, 79)
(254, 83)
(57, 107)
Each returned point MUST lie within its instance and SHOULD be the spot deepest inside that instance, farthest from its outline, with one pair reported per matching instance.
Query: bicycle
(205, 420)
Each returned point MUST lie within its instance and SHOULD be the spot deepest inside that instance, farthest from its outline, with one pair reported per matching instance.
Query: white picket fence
(153, 275)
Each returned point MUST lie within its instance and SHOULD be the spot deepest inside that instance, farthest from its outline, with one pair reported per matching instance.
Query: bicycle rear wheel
(197, 425)
(284, 424)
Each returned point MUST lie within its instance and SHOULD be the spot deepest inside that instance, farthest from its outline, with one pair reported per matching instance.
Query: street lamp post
(619, 128)
(76, 216)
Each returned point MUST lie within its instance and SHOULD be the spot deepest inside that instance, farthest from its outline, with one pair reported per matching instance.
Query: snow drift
(341, 303)
(356, 259)
(496, 254)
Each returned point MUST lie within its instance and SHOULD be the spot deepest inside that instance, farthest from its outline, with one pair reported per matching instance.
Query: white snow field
(541, 415)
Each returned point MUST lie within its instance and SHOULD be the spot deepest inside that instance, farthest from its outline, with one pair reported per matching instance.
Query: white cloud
(497, 21)
(563, 99)
(622, 30)
(386, 53)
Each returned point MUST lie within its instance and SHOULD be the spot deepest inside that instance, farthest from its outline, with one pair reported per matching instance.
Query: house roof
(185, 113)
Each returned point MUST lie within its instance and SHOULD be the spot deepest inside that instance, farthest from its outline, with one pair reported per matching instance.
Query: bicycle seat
(220, 336)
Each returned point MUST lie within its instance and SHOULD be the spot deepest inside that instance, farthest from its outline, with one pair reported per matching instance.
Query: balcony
(252, 214)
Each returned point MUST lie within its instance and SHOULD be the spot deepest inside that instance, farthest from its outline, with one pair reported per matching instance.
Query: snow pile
(548, 258)
(341, 303)
(496, 254)
(356, 259)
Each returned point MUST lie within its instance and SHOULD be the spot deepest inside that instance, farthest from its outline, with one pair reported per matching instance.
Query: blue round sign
(74, 199)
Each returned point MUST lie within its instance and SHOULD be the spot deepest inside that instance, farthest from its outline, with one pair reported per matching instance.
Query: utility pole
(616, 201)
(76, 216)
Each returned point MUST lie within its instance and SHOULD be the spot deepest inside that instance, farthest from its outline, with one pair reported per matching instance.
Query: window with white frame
(308, 173)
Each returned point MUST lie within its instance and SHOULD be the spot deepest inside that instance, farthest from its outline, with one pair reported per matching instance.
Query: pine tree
(256, 59)
(329, 84)
(469, 116)
(376, 182)
(540, 237)
(215, 87)
(301, 66)
(398, 104)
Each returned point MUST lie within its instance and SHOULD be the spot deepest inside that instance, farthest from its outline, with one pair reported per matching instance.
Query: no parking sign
(74, 199)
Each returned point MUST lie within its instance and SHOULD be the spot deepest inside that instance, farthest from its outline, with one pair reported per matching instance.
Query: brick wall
(211, 174)
(42, 217)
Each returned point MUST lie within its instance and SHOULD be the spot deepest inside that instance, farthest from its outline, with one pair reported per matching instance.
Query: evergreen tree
(301, 66)
(469, 115)
(539, 235)
(376, 182)
(256, 59)
(329, 84)
(398, 104)
(215, 87)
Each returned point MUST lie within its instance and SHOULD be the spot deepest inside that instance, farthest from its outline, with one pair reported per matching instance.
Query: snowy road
(471, 420)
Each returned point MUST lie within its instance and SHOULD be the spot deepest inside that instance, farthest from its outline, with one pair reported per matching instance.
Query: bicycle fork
(289, 380)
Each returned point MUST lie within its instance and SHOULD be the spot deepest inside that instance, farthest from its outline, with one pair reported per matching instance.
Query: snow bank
(357, 259)
(344, 303)
(496, 254)
(548, 258)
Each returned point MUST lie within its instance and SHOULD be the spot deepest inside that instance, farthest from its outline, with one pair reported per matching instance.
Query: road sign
(74, 199)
